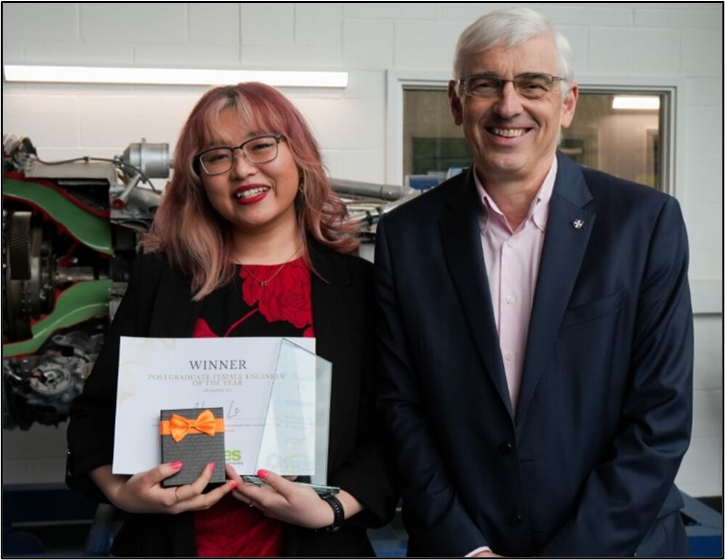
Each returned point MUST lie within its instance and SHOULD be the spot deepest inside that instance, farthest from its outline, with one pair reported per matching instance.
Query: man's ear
(569, 105)
(455, 103)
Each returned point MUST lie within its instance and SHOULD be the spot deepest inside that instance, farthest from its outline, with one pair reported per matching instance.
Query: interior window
(620, 132)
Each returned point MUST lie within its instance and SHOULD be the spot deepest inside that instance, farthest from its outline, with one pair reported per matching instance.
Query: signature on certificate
(231, 411)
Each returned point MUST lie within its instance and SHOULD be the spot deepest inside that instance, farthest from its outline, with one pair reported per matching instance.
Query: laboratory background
(650, 110)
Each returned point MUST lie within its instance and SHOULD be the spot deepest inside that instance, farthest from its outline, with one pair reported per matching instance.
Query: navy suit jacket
(586, 465)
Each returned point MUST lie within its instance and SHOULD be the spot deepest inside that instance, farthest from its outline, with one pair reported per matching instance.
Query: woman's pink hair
(187, 230)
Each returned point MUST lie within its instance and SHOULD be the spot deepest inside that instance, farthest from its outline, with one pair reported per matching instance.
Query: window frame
(671, 127)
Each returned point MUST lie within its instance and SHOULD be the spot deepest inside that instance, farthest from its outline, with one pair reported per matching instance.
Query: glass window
(620, 132)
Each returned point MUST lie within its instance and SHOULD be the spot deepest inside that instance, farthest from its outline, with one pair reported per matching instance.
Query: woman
(249, 240)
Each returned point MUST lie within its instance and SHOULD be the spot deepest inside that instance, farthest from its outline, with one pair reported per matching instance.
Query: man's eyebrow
(486, 74)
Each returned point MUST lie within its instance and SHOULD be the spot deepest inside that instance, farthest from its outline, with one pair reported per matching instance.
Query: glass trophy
(295, 436)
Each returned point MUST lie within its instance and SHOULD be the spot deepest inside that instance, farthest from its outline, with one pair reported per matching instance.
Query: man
(535, 329)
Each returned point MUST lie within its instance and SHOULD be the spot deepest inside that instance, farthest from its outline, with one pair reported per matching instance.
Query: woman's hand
(143, 492)
(283, 499)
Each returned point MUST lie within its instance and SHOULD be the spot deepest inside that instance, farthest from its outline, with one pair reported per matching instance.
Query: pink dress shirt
(512, 265)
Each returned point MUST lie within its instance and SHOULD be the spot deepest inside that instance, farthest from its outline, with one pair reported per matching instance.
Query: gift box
(196, 438)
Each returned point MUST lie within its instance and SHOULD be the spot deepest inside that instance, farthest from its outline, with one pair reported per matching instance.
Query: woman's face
(255, 198)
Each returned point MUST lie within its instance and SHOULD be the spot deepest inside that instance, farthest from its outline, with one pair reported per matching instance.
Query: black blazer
(158, 303)
(585, 466)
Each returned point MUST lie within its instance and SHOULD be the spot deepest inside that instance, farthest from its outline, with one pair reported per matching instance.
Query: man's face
(514, 138)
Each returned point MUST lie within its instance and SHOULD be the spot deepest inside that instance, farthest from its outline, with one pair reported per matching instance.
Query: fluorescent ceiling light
(641, 102)
(170, 76)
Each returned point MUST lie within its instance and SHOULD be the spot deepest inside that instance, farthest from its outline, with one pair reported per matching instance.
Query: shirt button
(516, 520)
(509, 356)
(510, 300)
(511, 243)
(505, 448)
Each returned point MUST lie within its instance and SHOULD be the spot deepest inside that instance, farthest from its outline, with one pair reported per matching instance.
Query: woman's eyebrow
(216, 143)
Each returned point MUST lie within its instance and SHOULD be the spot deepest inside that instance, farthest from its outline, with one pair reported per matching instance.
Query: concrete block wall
(679, 44)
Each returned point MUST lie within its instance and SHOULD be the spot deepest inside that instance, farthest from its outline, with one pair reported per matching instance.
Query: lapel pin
(578, 224)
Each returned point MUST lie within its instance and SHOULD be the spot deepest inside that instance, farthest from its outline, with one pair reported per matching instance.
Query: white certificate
(269, 403)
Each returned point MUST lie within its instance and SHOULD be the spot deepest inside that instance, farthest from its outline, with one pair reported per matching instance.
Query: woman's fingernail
(262, 474)
(233, 485)
(211, 467)
(176, 465)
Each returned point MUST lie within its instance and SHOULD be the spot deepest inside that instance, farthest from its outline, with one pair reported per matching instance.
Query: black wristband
(339, 512)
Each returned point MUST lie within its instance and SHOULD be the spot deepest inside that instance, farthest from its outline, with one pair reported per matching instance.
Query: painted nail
(211, 467)
(262, 474)
(233, 485)
(176, 465)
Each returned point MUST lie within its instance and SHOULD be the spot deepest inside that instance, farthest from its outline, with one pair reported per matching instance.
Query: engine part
(66, 259)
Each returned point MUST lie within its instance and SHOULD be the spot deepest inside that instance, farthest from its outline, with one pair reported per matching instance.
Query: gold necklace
(263, 283)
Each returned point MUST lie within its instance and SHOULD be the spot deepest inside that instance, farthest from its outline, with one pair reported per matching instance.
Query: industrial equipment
(68, 240)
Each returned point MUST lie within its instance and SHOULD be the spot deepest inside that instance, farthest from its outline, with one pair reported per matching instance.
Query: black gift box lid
(200, 434)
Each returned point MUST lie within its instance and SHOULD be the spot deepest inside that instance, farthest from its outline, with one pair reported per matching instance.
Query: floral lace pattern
(285, 298)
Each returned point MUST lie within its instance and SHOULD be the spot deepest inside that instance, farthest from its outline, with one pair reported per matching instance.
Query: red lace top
(281, 307)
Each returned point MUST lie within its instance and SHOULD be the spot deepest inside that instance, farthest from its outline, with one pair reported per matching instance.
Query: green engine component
(78, 303)
(90, 230)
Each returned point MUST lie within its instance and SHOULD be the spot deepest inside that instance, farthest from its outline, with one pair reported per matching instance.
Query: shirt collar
(539, 210)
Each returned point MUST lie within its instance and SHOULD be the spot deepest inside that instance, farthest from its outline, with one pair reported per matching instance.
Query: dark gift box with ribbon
(195, 437)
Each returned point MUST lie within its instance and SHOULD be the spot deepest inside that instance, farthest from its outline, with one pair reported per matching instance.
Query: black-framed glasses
(261, 149)
(531, 85)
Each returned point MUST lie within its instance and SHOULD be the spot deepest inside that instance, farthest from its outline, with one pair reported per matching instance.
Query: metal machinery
(69, 237)
(68, 240)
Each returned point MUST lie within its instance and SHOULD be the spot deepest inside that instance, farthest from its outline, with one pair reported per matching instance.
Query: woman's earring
(301, 187)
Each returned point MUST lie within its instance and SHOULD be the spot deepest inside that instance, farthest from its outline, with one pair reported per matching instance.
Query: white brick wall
(76, 53)
(695, 15)
(593, 15)
(124, 22)
(47, 21)
(702, 51)
(268, 24)
(656, 51)
(705, 92)
(680, 42)
(610, 51)
(26, 454)
(318, 25)
(392, 10)
(426, 45)
(368, 44)
(215, 24)
(48, 119)
(579, 39)
(701, 121)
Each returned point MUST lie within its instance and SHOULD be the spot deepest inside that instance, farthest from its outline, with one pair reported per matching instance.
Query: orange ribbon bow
(179, 427)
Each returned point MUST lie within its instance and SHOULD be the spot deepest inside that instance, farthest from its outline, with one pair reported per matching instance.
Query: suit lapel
(461, 241)
(328, 304)
(567, 236)
(330, 314)
(174, 313)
